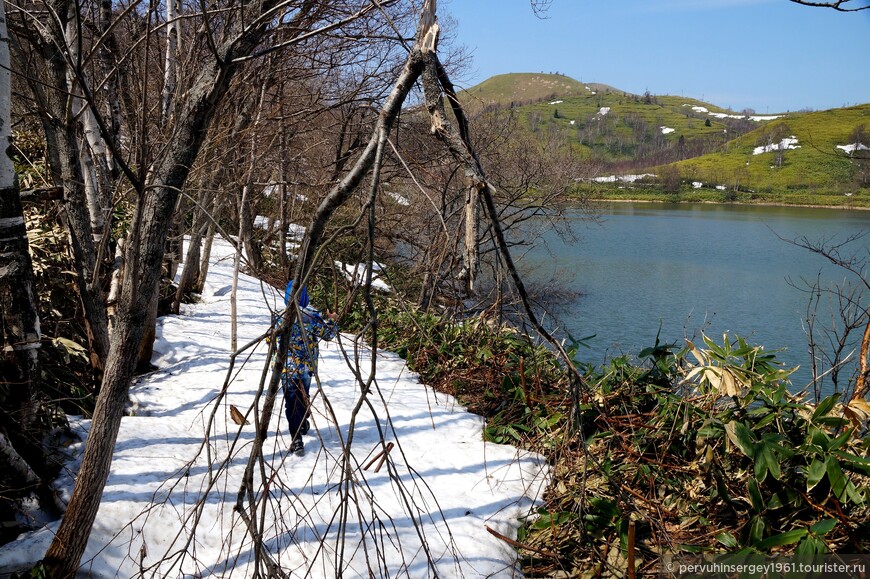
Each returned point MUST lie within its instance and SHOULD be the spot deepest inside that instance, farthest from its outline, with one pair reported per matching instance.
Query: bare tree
(156, 162)
(840, 5)
(49, 86)
(229, 47)
(20, 339)
(832, 345)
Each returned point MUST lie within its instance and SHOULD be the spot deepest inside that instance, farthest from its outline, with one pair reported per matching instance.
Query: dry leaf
(237, 416)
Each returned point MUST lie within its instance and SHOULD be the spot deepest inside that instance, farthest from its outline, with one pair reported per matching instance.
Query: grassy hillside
(815, 165)
(523, 87)
(689, 140)
(609, 125)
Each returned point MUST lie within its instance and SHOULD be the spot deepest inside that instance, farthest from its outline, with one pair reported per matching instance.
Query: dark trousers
(296, 390)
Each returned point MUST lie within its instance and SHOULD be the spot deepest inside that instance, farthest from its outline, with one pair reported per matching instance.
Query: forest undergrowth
(682, 451)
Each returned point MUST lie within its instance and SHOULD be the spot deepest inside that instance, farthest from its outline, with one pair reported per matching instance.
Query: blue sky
(768, 55)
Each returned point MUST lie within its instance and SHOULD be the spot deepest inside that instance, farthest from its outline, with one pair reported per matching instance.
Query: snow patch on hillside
(854, 147)
(622, 178)
(787, 143)
(759, 118)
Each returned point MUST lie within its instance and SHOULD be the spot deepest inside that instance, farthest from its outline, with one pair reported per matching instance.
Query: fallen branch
(519, 545)
(382, 455)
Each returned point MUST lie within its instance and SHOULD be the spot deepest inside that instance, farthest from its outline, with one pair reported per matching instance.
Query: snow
(274, 188)
(721, 187)
(262, 222)
(168, 505)
(555, 102)
(697, 184)
(725, 116)
(401, 200)
(666, 130)
(759, 118)
(853, 147)
(572, 122)
(756, 118)
(357, 274)
(787, 143)
(603, 111)
(622, 178)
(296, 231)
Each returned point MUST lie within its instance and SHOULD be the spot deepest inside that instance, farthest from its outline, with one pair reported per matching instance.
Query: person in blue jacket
(301, 363)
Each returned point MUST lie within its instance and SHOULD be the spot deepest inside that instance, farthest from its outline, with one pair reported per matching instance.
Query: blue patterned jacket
(302, 353)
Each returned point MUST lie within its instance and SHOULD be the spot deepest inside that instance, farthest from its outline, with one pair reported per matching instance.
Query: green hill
(526, 87)
(690, 141)
(795, 153)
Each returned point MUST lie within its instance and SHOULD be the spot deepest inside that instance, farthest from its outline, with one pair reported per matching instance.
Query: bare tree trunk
(861, 389)
(167, 100)
(115, 286)
(173, 39)
(283, 213)
(62, 141)
(190, 274)
(172, 255)
(246, 218)
(20, 340)
(144, 253)
(472, 248)
(19, 317)
(215, 211)
(93, 151)
(246, 228)
(116, 76)
(206, 256)
(246, 222)
(348, 184)
(149, 331)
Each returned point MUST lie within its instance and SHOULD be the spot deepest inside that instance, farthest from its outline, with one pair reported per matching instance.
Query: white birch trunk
(94, 153)
(173, 39)
(21, 337)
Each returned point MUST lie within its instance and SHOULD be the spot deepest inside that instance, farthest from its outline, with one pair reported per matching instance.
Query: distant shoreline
(742, 203)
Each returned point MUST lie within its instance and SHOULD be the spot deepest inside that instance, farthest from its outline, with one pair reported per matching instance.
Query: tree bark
(206, 256)
(64, 158)
(861, 389)
(144, 254)
(20, 340)
(19, 317)
(173, 39)
(190, 273)
(93, 151)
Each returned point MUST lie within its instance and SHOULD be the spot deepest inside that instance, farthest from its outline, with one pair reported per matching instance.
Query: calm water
(692, 267)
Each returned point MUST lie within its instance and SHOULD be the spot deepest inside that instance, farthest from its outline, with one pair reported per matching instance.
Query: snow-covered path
(168, 506)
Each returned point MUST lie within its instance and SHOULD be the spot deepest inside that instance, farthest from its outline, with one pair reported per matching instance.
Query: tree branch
(839, 5)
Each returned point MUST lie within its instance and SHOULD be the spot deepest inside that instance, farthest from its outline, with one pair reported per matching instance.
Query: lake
(693, 267)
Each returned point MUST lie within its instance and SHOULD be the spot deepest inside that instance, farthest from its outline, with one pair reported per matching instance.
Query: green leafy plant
(707, 450)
